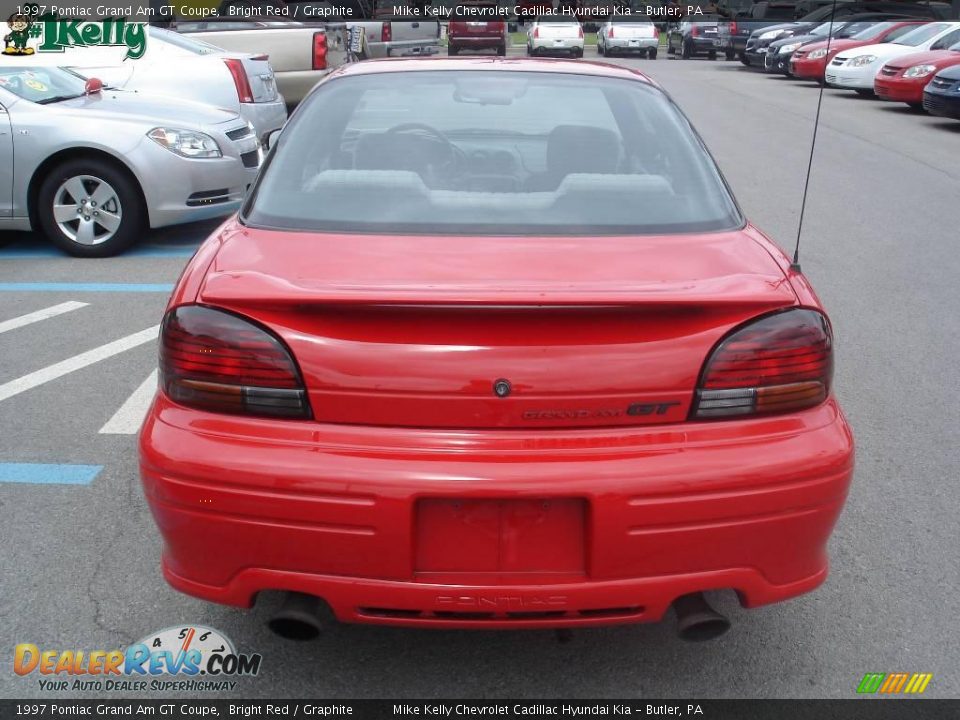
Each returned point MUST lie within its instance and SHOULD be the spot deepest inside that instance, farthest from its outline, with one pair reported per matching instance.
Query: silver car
(634, 36)
(549, 36)
(189, 69)
(93, 168)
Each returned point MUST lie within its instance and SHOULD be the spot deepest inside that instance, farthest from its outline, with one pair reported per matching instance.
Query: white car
(623, 37)
(555, 36)
(181, 67)
(856, 69)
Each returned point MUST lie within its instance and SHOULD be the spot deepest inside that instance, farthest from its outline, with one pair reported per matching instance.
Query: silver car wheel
(87, 210)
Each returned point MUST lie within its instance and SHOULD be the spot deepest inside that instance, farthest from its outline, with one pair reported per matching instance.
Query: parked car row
(913, 61)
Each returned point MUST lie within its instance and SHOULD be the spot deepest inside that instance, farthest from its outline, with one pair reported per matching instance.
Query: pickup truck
(300, 53)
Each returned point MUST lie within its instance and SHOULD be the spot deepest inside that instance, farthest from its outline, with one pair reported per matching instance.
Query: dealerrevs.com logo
(189, 658)
(34, 30)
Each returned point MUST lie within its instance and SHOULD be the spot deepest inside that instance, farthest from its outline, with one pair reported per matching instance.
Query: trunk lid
(558, 30)
(417, 331)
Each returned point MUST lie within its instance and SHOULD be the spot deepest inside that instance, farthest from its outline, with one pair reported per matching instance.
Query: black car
(942, 95)
(755, 51)
(695, 37)
(779, 52)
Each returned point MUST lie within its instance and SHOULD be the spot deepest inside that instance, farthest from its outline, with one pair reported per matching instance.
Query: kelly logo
(56, 34)
(894, 683)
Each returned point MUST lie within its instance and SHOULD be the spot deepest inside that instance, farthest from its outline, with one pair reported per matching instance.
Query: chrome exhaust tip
(300, 617)
(696, 620)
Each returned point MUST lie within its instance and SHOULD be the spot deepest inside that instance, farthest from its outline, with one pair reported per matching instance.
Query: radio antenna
(795, 264)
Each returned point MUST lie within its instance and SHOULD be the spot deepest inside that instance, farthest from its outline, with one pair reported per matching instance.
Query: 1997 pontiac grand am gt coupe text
(491, 345)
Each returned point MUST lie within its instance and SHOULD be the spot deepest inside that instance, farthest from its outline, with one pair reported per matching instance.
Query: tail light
(610, 32)
(536, 32)
(694, 31)
(240, 80)
(779, 363)
(733, 27)
(319, 51)
(386, 32)
(580, 32)
(217, 361)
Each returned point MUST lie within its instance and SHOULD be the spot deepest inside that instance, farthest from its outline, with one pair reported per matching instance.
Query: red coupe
(810, 61)
(904, 78)
(490, 345)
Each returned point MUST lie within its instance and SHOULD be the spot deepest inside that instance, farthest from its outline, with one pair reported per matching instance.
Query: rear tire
(712, 55)
(686, 51)
(578, 53)
(502, 50)
(600, 50)
(90, 208)
(451, 50)
(729, 54)
(652, 54)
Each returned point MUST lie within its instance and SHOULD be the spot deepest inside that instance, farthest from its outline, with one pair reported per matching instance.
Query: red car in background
(491, 345)
(904, 78)
(473, 27)
(810, 61)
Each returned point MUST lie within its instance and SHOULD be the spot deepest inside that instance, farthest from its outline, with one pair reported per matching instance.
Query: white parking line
(64, 367)
(127, 420)
(29, 318)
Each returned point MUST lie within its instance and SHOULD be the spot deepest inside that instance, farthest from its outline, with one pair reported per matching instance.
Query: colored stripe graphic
(45, 474)
(894, 683)
(871, 682)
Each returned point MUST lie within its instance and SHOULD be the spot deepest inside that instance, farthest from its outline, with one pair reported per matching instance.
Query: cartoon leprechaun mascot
(16, 40)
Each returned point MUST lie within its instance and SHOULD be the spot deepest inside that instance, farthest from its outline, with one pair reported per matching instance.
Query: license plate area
(492, 541)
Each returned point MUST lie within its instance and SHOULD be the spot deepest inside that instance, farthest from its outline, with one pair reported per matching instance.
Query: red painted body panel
(248, 504)
(413, 496)
(910, 90)
(646, 311)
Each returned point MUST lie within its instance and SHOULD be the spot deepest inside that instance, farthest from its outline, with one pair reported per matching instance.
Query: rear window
(479, 152)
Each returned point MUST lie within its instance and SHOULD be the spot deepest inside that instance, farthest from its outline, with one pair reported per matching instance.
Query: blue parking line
(86, 287)
(47, 474)
(16, 253)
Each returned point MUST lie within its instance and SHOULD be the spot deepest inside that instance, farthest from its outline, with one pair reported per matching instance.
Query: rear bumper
(266, 116)
(403, 48)
(248, 505)
(473, 42)
(631, 44)
(706, 44)
(548, 45)
(899, 90)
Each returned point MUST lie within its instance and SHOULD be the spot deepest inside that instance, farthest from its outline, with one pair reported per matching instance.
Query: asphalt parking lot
(80, 556)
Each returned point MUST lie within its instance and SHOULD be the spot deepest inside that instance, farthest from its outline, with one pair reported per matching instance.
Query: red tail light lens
(694, 31)
(779, 363)
(733, 28)
(536, 32)
(610, 32)
(214, 360)
(580, 32)
(386, 32)
(319, 51)
(240, 81)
